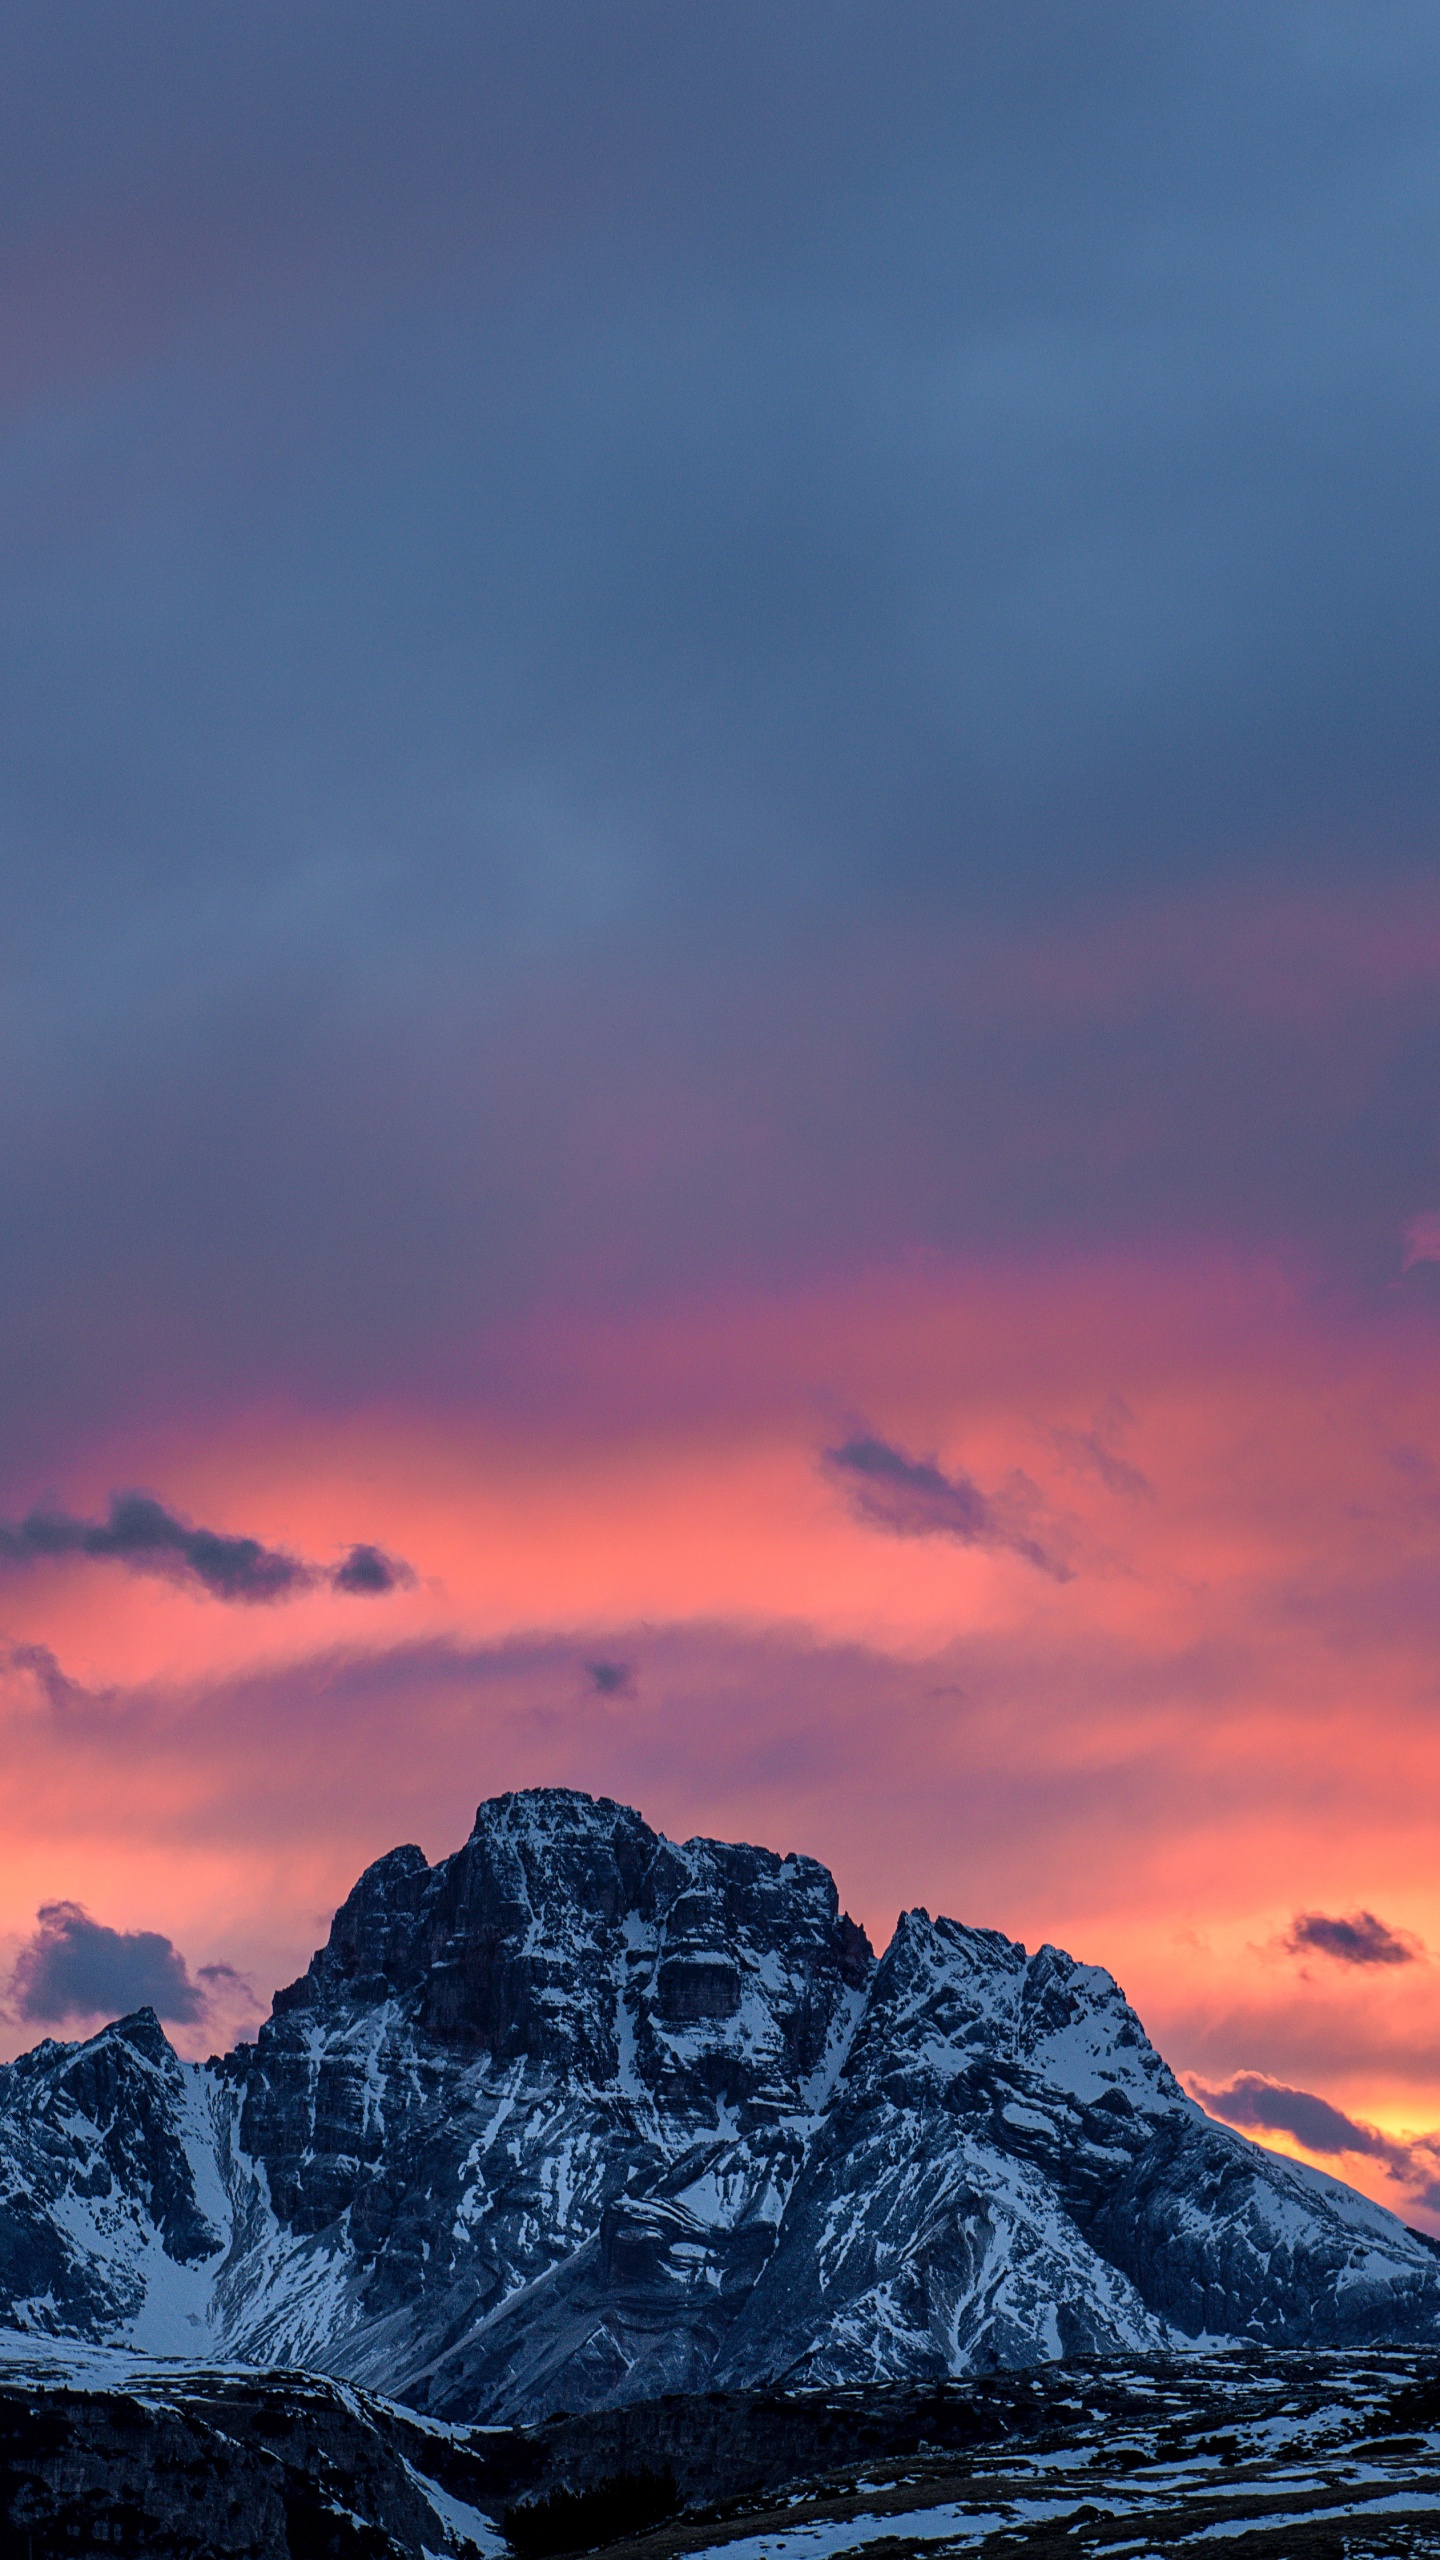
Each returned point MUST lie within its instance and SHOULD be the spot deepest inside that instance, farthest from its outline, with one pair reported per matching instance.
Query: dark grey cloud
(1361, 1939)
(610, 1679)
(368, 1571)
(76, 1967)
(139, 1532)
(1266, 2106)
(913, 1498)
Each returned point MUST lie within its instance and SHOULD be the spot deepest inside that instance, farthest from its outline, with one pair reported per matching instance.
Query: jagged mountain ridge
(579, 2115)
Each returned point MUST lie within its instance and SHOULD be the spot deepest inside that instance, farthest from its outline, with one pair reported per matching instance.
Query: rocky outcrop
(579, 2116)
(102, 2454)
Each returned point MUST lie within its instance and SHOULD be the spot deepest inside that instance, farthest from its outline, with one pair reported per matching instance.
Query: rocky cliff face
(578, 2116)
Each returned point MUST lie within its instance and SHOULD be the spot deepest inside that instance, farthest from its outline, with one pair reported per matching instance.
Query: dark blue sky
(644, 642)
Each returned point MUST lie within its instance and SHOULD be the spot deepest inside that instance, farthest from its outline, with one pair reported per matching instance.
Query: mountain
(579, 2115)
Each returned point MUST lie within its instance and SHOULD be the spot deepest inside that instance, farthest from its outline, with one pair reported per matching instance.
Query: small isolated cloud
(611, 1679)
(229, 1995)
(913, 1498)
(1359, 1939)
(1422, 1241)
(139, 1532)
(74, 1967)
(369, 1571)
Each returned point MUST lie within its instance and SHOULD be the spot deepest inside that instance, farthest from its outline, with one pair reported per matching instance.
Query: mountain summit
(580, 2115)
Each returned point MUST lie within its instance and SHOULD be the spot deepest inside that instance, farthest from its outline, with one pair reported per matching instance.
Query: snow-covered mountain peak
(580, 2113)
(1077, 2030)
(566, 1937)
(948, 1998)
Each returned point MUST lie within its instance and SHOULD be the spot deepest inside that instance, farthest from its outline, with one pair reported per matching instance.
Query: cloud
(611, 1679)
(139, 1532)
(1422, 1242)
(913, 1498)
(76, 1967)
(646, 710)
(1360, 1939)
(1270, 2107)
(1267, 2106)
(55, 1685)
(1092, 1453)
(368, 1570)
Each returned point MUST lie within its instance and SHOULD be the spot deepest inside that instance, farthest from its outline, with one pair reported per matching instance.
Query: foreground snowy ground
(1288, 2457)
(1299, 2459)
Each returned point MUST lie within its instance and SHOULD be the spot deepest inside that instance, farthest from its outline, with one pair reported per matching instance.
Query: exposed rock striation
(578, 2116)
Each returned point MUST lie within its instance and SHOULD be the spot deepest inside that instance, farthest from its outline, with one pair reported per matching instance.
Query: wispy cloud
(1421, 1242)
(1093, 1453)
(39, 1664)
(1361, 1939)
(914, 1498)
(139, 1532)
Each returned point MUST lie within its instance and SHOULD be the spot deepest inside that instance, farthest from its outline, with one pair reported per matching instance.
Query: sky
(720, 985)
